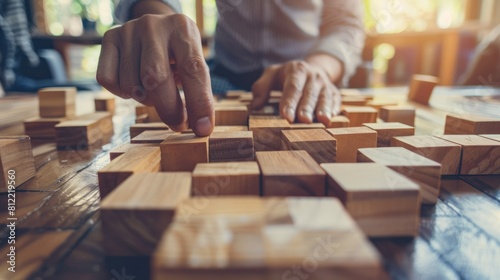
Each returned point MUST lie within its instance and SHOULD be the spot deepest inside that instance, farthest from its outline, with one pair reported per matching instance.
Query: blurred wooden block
(359, 115)
(479, 155)
(275, 94)
(17, 164)
(350, 139)
(85, 131)
(267, 132)
(318, 143)
(339, 121)
(295, 126)
(124, 148)
(152, 115)
(57, 102)
(135, 215)
(495, 137)
(402, 114)
(226, 178)
(425, 172)
(436, 149)
(230, 128)
(386, 131)
(140, 159)
(138, 128)
(421, 88)
(235, 115)
(181, 152)
(141, 118)
(290, 173)
(267, 110)
(354, 100)
(42, 128)
(105, 103)
(234, 94)
(231, 146)
(471, 124)
(378, 104)
(152, 136)
(382, 202)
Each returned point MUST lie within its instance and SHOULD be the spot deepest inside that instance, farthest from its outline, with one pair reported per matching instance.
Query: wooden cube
(495, 137)
(152, 136)
(295, 126)
(105, 103)
(354, 100)
(359, 115)
(421, 88)
(42, 128)
(181, 152)
(401, 114)
(339, 121)
(386, 131)
(436, 149)
(471, 124)
(57, 102)
(267, 132)
(135, 215)
(138, 128)
(16, 162)
(378, 104)
(147, 113)
(381, 201)
(231, 146)
(234, 115)
(350, 139)
(84, 131)
(320, 145)
(226, 178)
(425, 172)
(124, 148)
(230, 128)
(290, 173)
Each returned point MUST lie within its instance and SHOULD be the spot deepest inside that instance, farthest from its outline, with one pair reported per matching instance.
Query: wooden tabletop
(58, 234)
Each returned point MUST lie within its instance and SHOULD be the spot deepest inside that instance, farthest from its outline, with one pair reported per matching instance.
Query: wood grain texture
(267, 132)
(183, 151)
(382, 202)
(231, 146)
(290, 173)
(495, 137)
(226, 178)
(471, 124)
(42, 128)
(425, 172)
(17, 164)
(295, 126)
(358, 115)
(434, 148)
(57, 102)
(350, 139)
(318, 143)
(234, 115)
(135, 215)
(354, 100)
(379, 103)
(421, 88)
(386, 131)
(124, 148)
(401, 114)
(339, 121)
(152, 136)
(138, 128)
(84, 131)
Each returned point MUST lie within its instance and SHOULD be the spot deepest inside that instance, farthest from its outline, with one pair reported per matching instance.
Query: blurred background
(435, 37)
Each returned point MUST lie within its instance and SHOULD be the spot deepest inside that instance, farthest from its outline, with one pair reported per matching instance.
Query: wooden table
(59, 231)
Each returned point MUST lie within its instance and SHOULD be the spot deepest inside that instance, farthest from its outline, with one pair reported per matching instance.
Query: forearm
(332, 66)
(144, 7)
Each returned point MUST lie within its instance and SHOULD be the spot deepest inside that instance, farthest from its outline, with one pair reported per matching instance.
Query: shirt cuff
(122, 11)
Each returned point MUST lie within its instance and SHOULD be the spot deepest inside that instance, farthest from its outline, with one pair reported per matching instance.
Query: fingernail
(324, 113)
(203, 127)
(290, 113)
(306, 114)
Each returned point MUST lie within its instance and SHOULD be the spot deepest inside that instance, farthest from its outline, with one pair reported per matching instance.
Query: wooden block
(141, 118)
(267, 132)
(495, 137)
(16, 162)
(290, 173)
(320, 145)
(181, 152)
(140, 159)
(230, 128)
(354, 100)
(234, 94)
(421, 88)
(307, 126)
(275, 94)
(85, 131)
(105, 103)
(339, 121)
(152, 136)
(42, 128)
(124, 148)
(152, 115)
(479, 155)
(135, 215)
(231, 146)
(436, 149)
(236, 115)
(359, 115)
(378, 104)
(402, 114)
(264, 244)
(57, 102)
(266, 110)
(471, 124)
(425, 172)
(226, 178)
(350, 139)
(381, 201)
(386, 131)
(137, 129)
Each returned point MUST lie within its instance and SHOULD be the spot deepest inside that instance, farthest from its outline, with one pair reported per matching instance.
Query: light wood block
(318, 143)
(124, 148)
(295, 126)
(339, 121)
(495, 137)
(152, 136)
(16, 162)
(402, 114)
(105, 103)
(235, 115)
(479, 155)
(226, 178)
(386, 131)
(354, 100)
(378, 104)
(265, 243)
(267, 132)
(42, 128)
(152, 115)
(359, 115)
(141, 159)
(290, 173)
(138, 128)
(231, 146)
(421, 88)
(436, 149)
(141, 118)
(182, 152)
(57, 102)
(266, 110)
(425, 172)
(350, 139)
(382, 202)
(84, 131)
(230, 128)
(135, 215)
(471, 124)
(234, 94)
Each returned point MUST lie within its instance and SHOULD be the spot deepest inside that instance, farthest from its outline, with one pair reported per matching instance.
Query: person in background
(306, 48)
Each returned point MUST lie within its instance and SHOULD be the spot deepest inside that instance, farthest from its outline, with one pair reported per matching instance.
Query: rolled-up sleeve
(122, 12)
(342, 34)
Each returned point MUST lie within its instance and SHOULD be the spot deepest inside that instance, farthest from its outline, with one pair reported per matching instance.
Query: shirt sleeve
(342, 34)
(122, 12)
